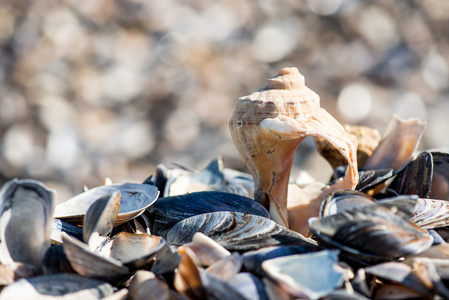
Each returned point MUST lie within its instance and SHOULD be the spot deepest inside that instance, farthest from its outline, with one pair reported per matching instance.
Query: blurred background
(102, 88)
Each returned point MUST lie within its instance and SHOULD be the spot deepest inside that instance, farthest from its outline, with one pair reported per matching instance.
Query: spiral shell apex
(268, 125)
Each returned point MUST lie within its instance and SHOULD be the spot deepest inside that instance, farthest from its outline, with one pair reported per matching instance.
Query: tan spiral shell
(267, 127)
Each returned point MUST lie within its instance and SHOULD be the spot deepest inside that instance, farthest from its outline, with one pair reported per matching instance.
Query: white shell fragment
(312, 275)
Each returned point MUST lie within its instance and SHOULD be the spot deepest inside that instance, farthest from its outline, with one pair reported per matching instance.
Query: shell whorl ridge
(286, 94)
(287, 79)
(268, 125)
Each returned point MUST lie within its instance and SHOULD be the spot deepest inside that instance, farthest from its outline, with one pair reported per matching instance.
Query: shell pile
(377, 230)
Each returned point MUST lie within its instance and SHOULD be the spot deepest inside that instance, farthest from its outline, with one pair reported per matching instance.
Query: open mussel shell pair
(26, 208)
(373, 232)
(134, 199)
(426, 176)
(117, 257)
(106, 256)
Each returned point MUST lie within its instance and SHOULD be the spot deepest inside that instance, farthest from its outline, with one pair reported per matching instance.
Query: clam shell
(26, 208)
(66, 286)
(135, 198)
(167, 211)
(235, 231)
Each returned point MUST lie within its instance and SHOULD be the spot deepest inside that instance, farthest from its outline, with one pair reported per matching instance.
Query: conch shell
(267, 127)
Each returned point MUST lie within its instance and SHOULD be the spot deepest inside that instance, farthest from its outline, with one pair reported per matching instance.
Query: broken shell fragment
(399, 142)
(311, 275)
(267, 127)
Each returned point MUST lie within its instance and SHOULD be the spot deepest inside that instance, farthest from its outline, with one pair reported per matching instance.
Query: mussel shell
(252, 260)
(90, 264)
(100, 218)
(59, 226)
(206, 249)
(400, 273)
(311, 275)
(55, 261)
(373, 232)
(26, 208)
(145, 285)
(430, 213)
(186, 182)
(135, 250)
(235, 231)
(167, 211)
(402, 206)
(70, 286)
(440, 181)
(368, 179)
(416, 178)
(343, 200)
(135, 198)
(227, 267)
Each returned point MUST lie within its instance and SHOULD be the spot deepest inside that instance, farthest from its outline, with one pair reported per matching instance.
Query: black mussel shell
(368, 179)
(252, 260)
(416, 177)
(167, 211)
(235, 231)
(343, 200)
(440, 181)
(376, 231)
